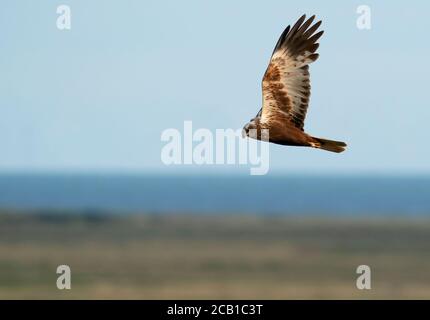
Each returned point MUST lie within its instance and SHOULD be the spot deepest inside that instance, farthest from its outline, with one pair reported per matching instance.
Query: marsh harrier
(286, 90)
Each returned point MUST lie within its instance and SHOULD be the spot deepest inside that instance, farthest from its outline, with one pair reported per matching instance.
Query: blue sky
(98, 96)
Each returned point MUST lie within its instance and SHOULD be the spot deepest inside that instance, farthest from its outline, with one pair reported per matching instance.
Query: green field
(216, 257)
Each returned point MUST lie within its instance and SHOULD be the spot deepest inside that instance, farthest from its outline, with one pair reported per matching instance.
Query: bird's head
(251, 126)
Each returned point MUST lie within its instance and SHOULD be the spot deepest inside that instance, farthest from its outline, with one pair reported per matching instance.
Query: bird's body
(286, 90)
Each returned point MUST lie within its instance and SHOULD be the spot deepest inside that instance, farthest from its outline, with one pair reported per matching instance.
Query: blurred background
(81, 177)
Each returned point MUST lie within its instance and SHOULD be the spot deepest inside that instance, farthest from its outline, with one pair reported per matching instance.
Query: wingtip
(301, 19)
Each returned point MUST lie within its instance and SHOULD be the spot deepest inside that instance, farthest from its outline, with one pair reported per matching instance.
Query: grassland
(191, 256)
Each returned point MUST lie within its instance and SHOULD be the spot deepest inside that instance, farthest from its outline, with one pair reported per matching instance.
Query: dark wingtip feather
(312, 29)
(281, 39)
(296, 26)
(301, 36)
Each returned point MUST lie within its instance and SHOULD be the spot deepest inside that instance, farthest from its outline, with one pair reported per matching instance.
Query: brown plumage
(286, 90)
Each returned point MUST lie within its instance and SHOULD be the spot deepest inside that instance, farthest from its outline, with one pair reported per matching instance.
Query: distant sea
(304, 195)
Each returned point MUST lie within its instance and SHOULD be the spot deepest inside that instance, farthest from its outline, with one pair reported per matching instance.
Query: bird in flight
(286, 90)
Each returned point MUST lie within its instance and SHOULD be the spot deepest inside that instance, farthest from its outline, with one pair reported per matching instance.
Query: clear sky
(98, 96)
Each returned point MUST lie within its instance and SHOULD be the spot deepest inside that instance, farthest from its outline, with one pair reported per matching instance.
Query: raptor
(286, 90)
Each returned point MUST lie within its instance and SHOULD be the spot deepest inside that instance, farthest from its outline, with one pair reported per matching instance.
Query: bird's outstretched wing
(286, 84)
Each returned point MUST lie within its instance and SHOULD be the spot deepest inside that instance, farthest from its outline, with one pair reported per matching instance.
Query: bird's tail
(329, 145)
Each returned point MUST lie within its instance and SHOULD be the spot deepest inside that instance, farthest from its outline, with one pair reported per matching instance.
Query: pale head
(252, 126)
